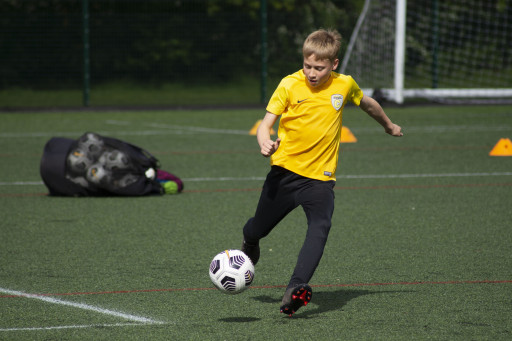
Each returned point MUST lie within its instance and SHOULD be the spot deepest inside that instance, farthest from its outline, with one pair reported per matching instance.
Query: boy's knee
(320, 229)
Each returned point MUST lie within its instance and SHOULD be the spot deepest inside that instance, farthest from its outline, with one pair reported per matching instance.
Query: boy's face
(318, 71)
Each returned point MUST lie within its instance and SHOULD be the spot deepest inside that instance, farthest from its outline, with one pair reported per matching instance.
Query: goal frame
(399, 93)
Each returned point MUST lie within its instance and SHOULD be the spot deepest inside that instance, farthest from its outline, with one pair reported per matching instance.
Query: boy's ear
(335, 64)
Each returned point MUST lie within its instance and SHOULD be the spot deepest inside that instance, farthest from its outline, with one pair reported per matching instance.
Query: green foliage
(156, 41)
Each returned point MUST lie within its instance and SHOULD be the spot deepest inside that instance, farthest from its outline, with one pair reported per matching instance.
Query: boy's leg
(276, 201)
(317, 200)
(318, 204)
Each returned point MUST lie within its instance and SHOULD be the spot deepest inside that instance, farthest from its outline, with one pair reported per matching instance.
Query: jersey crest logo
(337, 101)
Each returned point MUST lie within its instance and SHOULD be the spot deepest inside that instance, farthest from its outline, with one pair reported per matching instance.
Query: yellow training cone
(255, 128)
(502, 148)
(347, 136)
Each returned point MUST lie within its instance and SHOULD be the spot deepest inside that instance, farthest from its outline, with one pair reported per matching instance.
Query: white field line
(367, 176)
(168, 129)
(79, 326)
(21, 183)
(75, 135)
(199, 129)
(359, 176)
(133, 318)
(438, 175)
(436, 129)
(118, 123)
(162, 129)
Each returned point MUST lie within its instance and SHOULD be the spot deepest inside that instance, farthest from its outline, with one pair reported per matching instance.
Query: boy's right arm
(267, 146)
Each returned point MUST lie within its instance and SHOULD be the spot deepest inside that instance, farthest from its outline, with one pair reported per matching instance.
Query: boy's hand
(269, 147)
(395, 130)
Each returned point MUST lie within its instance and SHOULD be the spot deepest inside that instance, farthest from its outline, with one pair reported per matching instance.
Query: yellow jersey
(310, 123)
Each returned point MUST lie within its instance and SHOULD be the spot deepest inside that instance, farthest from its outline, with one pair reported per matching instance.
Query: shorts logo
(337, 101)
(326, 173)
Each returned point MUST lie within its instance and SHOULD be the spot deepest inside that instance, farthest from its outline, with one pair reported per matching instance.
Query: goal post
(446, 51)
(400, 28)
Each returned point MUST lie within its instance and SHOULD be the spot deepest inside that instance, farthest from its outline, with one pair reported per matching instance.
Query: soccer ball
(92, 143)
(231, 271)
(98, 175)
(79, 180)
(126, 180)
(114, 160)
(78, 161)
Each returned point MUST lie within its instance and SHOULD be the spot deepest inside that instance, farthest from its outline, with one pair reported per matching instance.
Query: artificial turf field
(420, 246)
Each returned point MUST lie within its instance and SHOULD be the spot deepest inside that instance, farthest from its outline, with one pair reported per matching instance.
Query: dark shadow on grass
(324, 301)
(332, 300)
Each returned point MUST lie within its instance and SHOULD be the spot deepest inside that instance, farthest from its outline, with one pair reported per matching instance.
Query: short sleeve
(356, 94)
(279, 100)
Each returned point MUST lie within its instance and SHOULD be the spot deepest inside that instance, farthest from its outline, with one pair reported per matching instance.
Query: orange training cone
(347, 136)
(255, 128)
(502, 148)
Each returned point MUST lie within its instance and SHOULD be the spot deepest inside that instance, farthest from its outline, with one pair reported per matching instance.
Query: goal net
(449, 51)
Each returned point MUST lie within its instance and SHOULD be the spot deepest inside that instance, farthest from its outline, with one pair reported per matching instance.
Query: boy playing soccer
(304, 157)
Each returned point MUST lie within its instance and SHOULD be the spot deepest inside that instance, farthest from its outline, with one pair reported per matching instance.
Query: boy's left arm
(373, 108)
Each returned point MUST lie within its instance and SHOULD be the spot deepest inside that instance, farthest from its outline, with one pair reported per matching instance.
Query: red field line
(14, 195)
(272, 287)
(415, 283)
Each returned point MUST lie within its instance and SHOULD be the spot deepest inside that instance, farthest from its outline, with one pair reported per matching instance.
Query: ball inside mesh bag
(114, 159)
(93, 144)
(79, 180)
(126, 180)
(98, 175)
(78, 161)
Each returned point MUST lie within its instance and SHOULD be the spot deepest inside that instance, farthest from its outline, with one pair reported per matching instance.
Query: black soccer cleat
(296, 297)
(252, 251)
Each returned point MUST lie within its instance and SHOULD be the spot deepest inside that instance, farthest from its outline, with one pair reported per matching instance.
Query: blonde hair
(324, 44)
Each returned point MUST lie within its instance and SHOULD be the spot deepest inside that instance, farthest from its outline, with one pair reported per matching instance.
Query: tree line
(159, 41)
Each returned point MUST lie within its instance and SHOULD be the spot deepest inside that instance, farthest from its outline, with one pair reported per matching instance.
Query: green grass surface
(419, 249)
